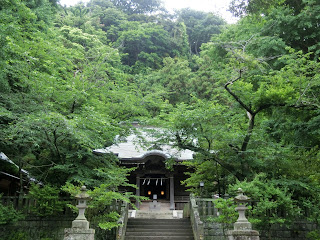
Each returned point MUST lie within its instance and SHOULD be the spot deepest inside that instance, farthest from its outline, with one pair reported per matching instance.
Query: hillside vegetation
(72, 78)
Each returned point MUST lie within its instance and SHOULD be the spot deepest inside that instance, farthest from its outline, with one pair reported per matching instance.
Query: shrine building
(153, 178)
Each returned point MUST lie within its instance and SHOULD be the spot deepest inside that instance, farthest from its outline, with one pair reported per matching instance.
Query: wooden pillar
(167, 182)
(172, 207)
(138, 190)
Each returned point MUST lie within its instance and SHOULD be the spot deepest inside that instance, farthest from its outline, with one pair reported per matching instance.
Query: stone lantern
(80, 226)
(82, 198)
(242, 227)
(242, 223)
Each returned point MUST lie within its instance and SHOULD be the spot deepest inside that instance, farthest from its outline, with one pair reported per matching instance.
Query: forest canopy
(73, 78)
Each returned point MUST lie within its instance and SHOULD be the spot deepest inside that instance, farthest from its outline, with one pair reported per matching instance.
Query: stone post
(80, 226)
(242, 227)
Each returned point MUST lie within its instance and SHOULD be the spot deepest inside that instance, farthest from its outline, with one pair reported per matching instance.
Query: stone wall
(214, 231)
(298, 231)
(36, 229)
(44, 229)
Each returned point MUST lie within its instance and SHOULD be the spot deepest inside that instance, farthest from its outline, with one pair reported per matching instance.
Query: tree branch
(235, 96)
(230, 168)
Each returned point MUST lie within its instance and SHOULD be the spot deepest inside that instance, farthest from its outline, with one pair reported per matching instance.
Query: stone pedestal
(78, 234)
(83, 224)
(79, 231)
(243, 235)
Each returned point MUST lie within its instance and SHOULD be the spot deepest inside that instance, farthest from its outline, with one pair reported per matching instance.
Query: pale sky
(217, 6)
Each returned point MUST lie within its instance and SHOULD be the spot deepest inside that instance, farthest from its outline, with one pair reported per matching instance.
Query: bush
(18, 235)
(270, 203)
(314, 235)
(8, 214)
(47, 200)
(226, 210)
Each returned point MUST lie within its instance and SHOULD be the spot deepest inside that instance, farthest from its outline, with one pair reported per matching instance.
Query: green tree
(137, 6)
(200, 27)
(295, 22)
(142, 42)
(172, 82)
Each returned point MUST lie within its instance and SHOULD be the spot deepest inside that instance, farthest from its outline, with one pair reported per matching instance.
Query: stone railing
(123, 220)
(197, 224)
(181, 202)
(206, 208)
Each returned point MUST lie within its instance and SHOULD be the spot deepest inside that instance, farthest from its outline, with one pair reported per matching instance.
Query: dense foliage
(244, 97)
(9, 214)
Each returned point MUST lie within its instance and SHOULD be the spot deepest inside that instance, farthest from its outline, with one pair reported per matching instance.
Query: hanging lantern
(149, 193)
(162, 193)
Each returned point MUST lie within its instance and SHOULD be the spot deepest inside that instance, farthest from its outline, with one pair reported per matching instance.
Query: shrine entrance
(156, 182)
(154, 186)
(148, 155)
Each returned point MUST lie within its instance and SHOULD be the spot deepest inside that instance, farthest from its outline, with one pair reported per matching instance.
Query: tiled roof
(138, 146)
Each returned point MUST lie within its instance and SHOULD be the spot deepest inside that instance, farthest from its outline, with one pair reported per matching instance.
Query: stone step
(159, 238)
(151, 237)
(159, 221)
(156, 214)
(141, 230)
(162, 220)
(162, 233)
(155, 226)
(164, 206)
(159, 229)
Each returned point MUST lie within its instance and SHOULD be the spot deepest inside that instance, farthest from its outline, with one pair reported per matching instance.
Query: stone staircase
(173, 214)
(159, 229)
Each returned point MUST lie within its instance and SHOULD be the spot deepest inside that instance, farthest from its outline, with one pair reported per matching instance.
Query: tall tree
(137, 6)
(295, 22)
(200, 27)
(147, 43)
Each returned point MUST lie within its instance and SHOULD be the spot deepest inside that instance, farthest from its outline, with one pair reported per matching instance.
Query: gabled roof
(4, 158)
(145, 142)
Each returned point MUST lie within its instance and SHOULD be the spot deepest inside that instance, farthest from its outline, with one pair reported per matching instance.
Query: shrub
(8, 214)
(47, 200)
(270, 203)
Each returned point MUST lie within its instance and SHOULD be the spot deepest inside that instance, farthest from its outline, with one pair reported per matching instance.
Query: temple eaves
(137, 147)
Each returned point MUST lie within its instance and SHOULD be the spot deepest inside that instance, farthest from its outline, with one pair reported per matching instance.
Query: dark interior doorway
(154, 185)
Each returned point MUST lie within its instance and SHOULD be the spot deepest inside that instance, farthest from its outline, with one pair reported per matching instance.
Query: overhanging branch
(228, 167)
(226, 86)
